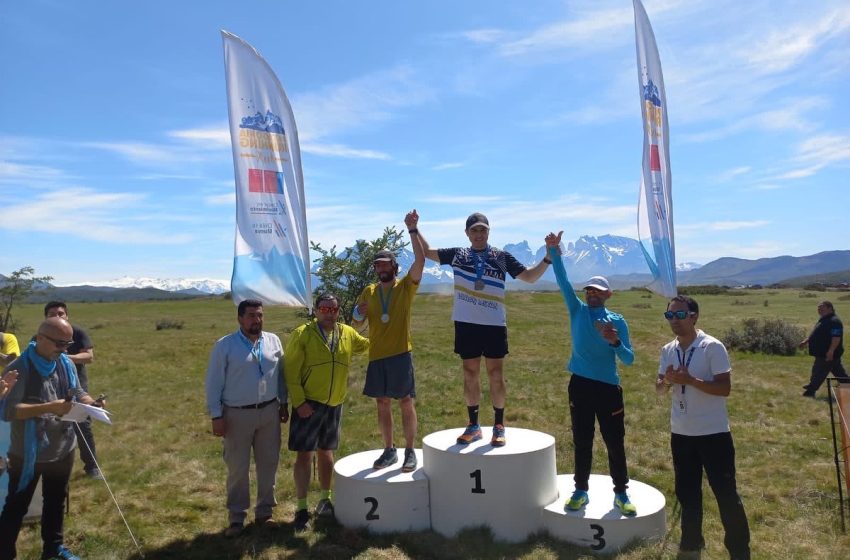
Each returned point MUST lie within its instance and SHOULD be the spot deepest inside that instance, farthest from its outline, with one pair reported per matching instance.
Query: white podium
(504, 488)
(383, 501)
(514, 490)
(599, 525)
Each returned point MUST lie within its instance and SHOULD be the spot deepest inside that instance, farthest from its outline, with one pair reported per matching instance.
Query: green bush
(163, 324)
(765, 336)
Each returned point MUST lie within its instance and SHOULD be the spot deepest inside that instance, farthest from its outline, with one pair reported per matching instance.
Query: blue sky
(115, 157)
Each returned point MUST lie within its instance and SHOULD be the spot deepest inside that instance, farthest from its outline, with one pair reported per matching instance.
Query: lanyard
(683, 362)
(256, 350)
(334, 338)
(480, 258)
(385, 304)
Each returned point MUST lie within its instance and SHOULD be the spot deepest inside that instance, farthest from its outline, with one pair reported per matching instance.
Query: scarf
(32, 441)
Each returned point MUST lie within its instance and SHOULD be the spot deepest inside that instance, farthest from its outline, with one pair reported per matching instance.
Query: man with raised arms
(479, 317)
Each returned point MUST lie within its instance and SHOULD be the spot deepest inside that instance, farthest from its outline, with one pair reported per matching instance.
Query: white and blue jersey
(479, 276)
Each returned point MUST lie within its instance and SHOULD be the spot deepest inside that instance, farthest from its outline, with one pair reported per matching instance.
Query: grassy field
(165, 467)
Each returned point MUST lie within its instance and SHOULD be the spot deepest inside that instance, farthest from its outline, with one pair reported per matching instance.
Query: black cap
(477, 219)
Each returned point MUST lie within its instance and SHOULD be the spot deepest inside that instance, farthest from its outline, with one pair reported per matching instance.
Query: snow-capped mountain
(205, 285)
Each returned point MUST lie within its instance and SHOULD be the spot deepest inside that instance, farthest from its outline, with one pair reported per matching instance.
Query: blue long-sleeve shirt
(592, 356)
(243, 373)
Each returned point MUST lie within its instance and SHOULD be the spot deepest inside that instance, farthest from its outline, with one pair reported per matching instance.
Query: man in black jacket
(826, 345)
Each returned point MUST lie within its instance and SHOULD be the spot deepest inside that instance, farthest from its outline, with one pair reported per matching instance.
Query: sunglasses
(677, 314)
(328, 309)
(57, 342)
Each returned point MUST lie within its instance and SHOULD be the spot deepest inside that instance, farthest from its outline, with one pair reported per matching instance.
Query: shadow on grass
(331, 541)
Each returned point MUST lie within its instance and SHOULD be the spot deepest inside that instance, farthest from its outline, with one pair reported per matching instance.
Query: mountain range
(620, 259)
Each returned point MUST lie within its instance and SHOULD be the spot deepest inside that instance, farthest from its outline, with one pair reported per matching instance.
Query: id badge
(262, 387)
(681, 405)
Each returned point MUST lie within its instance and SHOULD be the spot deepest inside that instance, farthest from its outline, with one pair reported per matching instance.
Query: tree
(347, 273)
(14, 291)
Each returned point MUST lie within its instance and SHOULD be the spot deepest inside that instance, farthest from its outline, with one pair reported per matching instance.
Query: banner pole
(833, 395)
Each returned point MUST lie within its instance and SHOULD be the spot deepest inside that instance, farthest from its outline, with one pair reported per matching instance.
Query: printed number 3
(599, 542)
(371, 515)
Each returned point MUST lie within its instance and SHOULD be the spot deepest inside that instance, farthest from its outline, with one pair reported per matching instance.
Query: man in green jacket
(316, 363)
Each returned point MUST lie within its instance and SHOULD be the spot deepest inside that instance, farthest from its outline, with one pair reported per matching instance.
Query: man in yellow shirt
(316, 361)
(9, 349)
(387, 305)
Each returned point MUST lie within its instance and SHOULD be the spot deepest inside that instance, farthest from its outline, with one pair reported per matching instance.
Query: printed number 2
(599, 542)
(371, 515)
(476, 474)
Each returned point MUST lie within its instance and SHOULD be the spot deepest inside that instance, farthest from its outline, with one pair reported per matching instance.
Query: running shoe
(470, 434)
(389, 457)
(409, 464)
(578, 500)
(498, 439)
(626, 507)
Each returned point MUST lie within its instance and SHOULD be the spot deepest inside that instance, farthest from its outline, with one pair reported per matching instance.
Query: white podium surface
(599, 525)
(505, 488)
(383, 501)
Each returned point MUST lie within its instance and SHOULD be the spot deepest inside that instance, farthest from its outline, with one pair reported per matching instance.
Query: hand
(679, 376)
(283, 412)
(7, 382)
(803, 343)
(363, 308)
(61, 407)
(100, 402)
(829, 355)
(218, 427)
(553, 240)
(411, 220)
(608, 332)
(661, 384)
(304, 410)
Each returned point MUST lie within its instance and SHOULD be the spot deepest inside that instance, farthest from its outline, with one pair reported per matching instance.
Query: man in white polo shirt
(695, 369)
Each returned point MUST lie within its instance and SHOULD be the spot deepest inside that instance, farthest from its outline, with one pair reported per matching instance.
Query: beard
(386, 276)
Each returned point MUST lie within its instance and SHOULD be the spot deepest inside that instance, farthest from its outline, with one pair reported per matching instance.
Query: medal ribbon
(385, 305)
(480, 259)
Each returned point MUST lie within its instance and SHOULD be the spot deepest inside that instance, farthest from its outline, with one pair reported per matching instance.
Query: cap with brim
(598, 282)
(477, 219)
(384, 255)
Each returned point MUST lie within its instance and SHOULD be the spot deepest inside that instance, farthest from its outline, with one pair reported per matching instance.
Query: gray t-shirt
(32, 388)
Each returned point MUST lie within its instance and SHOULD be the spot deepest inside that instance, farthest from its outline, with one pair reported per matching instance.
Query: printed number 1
(371, 515)
(599, 542)
(477, 489)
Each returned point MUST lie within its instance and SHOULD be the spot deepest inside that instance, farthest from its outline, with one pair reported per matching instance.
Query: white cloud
(338, 150)
(225, 199)
(363, 101)
(448, 165)
(217, 136)
(722, 225)
(90, 214)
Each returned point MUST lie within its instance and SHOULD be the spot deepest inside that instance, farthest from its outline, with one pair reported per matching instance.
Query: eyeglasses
(592, 291)
(328, 309)
(681, 314)
(57, 342)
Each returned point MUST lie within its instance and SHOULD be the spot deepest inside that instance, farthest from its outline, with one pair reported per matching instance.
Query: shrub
(163, 324)
(766, 336)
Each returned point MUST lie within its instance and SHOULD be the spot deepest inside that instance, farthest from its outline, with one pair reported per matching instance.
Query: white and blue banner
(271, 257)
(655, 206)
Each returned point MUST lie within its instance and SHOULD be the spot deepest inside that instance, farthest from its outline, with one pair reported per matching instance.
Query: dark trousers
(85, 442)
(716, 454)
(820, 369)
(54, 488)
(592, 401)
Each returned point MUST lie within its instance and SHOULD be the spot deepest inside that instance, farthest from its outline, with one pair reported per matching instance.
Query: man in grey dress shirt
(247, 401)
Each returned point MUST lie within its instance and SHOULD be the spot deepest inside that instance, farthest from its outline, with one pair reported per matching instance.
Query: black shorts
(319, 431)
(390, 377)
(474, 341)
